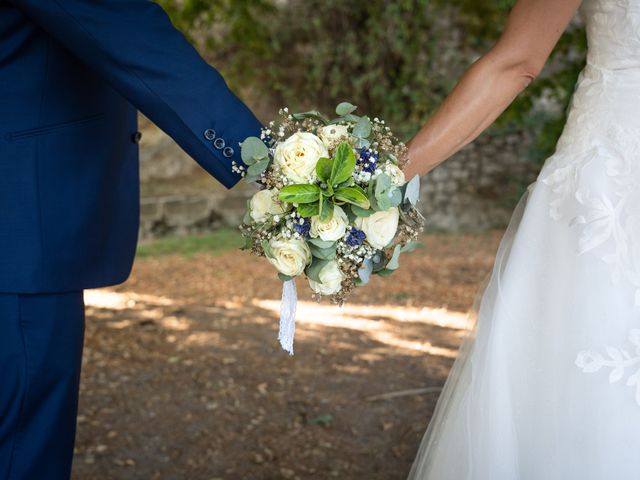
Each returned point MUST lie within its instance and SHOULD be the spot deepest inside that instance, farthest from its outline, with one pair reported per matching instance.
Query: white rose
(396, 175)
(332, 229)
(298, 155)
(330, 279)
(290, 257)
(331, 135)
(264, 204)
(380, 227)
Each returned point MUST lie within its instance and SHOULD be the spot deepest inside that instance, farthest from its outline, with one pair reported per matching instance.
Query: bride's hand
(491, 83)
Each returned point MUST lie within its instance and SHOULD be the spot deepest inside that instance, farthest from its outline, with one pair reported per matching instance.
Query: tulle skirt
(542, 388)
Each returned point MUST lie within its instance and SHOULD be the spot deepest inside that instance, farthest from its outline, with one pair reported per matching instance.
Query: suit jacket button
(135, 138)
(219, 143)
(228, 152)
(210, 134)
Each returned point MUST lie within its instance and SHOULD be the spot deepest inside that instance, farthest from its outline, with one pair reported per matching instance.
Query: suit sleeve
(133, 44)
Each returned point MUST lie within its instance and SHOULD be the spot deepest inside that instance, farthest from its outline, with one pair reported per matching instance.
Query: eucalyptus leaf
(345, 108)
(302, 193)
(412, 191)
(251, 178)
(394, 261)
(362, 129)
(310, 114)
(284, 278)
(365, 271)
(328, 253)
(353, 195)
(323, 169)
(344, 163)
(350, 118)
(266, 247)
(247, 219)
(318, 242)
(363, 143)
(252, 150)
(384, 272)
(313, 270)
(395, 196)
(259, 167)
(308, 209)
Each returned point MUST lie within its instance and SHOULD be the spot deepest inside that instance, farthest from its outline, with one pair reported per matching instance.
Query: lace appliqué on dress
(598, 193)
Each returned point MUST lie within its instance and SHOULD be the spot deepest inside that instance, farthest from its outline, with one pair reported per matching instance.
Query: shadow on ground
(183, 377)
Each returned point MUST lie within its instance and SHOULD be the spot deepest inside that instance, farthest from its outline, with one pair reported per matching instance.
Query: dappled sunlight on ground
(183, 376)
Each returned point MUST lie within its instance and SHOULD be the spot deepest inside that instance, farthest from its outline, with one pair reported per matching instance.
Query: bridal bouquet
(334, 204)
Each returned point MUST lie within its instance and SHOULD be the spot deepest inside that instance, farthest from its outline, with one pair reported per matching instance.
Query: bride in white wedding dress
(547, 387)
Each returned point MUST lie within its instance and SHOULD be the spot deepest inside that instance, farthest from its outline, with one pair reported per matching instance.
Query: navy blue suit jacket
(72, 74)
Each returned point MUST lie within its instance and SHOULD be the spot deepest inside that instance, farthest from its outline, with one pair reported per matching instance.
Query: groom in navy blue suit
(72, 75)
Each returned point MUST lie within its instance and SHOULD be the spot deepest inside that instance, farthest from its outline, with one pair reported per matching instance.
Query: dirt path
(183, 378)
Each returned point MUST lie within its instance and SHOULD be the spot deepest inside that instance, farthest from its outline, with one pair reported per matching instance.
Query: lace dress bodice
(594, 175)
(595, 171)
(613, 31)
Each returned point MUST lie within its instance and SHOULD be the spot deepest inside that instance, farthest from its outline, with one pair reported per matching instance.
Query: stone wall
(474, 190)
(478, 188)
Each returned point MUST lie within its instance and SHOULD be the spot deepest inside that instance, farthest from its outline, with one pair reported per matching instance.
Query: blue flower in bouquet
(368, 160)
(302, 227)
(355, 237)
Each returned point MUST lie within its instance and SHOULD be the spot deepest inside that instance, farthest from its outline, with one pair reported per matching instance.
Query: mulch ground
(183, 377)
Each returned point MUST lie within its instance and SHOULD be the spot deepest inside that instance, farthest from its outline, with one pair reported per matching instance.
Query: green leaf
(328, 253)
(323, 169)
(252, 150)
(354, 195)
(363, 143)
(394, 261)
(343, 164)
(386, 194)
(318, 242)
(384, 272)
(395, 196)
(302, 193)
(362, 129)
(313, 270)
(310, 114)
(365, 271)
(362, 212)
(284, 277)
(308, 209)
(266, 247)
(345, 108)
(326, 211)
(383, 183)
(257, 168)
(412, 191)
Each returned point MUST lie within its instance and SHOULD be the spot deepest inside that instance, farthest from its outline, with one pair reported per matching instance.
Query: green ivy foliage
(397, 59)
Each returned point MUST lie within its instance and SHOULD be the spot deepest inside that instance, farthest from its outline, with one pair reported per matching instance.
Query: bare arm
(492, 83)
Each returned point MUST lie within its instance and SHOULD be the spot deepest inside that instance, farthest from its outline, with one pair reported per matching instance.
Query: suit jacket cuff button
(228, 152)
(210, 134)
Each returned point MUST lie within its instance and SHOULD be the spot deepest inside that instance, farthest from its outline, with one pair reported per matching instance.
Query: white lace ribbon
(288, 315)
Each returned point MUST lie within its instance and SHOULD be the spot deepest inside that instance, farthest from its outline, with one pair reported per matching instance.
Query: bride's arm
(492, 83)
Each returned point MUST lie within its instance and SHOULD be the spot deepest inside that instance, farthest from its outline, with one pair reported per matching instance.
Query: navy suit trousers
(41, 337)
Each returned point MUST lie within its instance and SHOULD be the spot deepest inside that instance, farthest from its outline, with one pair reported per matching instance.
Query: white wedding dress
(547, 387)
